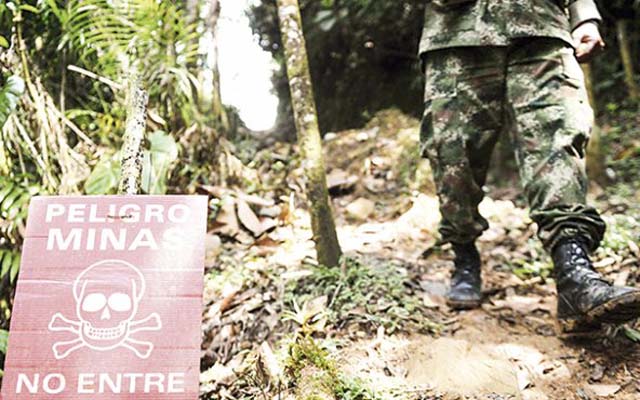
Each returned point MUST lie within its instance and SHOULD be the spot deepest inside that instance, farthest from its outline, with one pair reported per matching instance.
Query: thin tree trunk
(306, 119)
(131, 167)
(588, 82)
(622, 27)
(596, 164)
(216, 98)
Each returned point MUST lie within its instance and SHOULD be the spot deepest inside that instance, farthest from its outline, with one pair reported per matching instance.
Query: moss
(309, 366)
(379, 289)
(318, 377)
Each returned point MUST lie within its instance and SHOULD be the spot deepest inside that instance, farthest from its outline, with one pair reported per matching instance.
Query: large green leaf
(105, 176)
(14, 204)
(157, 162)
(6, 259)
(4, 339)
(15, 268)
(9, 95)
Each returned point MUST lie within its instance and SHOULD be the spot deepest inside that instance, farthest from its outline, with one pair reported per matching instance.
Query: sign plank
(109, 298)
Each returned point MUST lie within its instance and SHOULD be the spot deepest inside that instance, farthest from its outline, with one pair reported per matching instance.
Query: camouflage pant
(535, 90)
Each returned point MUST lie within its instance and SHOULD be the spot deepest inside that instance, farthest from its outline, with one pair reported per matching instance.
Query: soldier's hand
(587, 41)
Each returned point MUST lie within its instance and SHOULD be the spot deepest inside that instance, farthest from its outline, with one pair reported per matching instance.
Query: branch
(112, 84)
(134, 135)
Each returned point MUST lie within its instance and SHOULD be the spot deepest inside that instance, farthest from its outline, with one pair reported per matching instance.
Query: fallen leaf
(218, 374)
(255, 200)
(226, 303)
(603, 390)
(362, 136)
(268, 224)
(216, 191)
(433, 301)
(523, 304)
(267, 241)
(271, 212)
(248, 218)
(605, 262)
(271, 363)
(598, 373)
(634, 248)
(339, 181)
(226, 222)
(622, 277)
(361, 209)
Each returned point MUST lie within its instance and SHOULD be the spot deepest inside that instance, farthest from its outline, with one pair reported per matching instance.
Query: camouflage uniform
(492, 65)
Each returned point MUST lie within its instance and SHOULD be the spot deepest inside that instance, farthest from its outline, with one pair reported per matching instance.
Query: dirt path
(508, 349)
(384, 319)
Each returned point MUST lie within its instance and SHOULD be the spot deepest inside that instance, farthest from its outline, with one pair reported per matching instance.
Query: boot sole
(616, 312)
(464, 305)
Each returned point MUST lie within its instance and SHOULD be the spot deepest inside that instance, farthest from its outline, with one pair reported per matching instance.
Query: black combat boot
(466, 283)
(585, 299)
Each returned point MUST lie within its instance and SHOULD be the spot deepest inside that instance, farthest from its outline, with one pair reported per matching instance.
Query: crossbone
(142, 349)
(107, 296)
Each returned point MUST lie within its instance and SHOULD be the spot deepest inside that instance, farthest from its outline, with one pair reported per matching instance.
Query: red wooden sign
(108, 303)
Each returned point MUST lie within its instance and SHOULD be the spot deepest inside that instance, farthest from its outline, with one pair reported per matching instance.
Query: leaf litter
(379, 323)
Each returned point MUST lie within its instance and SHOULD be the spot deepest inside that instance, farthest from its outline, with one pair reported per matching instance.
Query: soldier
(513, 64)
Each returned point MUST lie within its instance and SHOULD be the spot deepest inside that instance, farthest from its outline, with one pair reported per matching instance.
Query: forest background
(64, 65)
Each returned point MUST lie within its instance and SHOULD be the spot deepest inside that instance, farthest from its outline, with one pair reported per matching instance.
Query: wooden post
(306, 119)
(131, 166)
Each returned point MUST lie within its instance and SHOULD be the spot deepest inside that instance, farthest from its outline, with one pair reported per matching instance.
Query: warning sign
(108, 303)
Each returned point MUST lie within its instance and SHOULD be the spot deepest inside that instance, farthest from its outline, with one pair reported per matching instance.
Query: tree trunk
(622, 27)
(588, 83)
(217, 108)
(131, 167)
(306, 119)
(596, 164)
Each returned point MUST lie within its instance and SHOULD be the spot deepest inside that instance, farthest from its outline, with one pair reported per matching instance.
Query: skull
(107, 297)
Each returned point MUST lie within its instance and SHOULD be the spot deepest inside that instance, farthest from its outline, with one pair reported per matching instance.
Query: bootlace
(582, 269)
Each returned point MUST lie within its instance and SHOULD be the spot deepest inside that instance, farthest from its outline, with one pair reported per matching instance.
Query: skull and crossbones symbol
(107, 296)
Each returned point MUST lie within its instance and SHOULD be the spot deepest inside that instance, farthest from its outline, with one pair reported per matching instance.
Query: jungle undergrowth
(305, 353)
(369, 294)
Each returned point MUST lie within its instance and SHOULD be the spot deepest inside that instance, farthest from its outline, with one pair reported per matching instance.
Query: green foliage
(15, 195)
(306, 351)
(148, 36)
(14, 204)
(157, 163)
(375, 294)
(362, 55)
(9, 265)
(535, 264)
(68, 120)
(162, 153)
(632, 334)
(4, 337)
(9, 95)
(621, 231)
(355, 389)
(105, 176)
